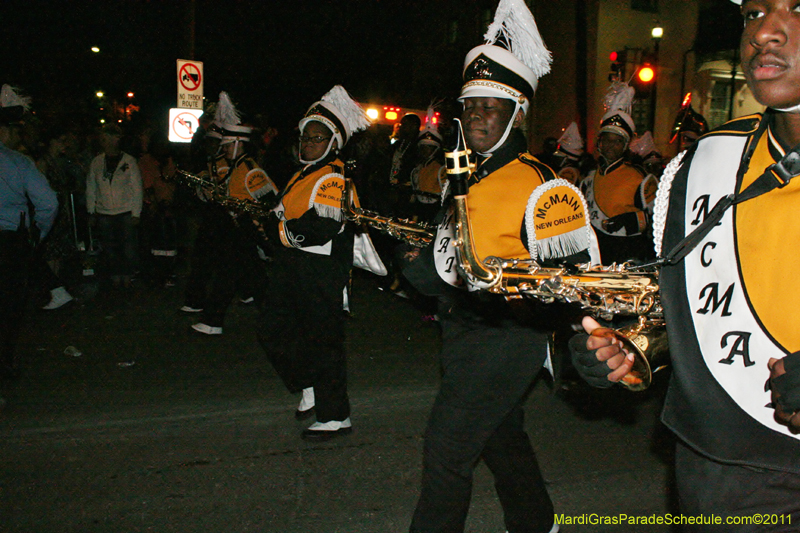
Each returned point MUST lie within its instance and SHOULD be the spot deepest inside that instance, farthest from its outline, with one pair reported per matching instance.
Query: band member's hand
(411, 254)
(600, 361)
(784, 381)
(629, 221)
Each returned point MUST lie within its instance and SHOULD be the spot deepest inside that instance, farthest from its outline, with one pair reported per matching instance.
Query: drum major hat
(512, 59)
(618, 103)
(340, 113)
(429, 135)
(570, 142)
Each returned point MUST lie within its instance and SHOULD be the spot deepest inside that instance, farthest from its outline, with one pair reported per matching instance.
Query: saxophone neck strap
(776, 176)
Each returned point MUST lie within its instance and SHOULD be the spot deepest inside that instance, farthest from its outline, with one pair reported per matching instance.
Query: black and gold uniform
(729, 309)
(302, 327)
(490, 357)
(225, 258)
(625, 193)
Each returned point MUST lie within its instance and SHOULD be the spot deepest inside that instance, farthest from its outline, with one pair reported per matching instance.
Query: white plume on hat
(10, 98)
(347, 110)
(644, 145)
(226, 113)
(514, 22)
(430, 131)
(230, 121)
(340, 113)
(618, 103)
(570, 141)
(619, 97)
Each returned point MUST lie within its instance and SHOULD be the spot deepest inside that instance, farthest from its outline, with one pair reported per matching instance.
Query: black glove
(593, 371)
(629, 221)
(786, 387)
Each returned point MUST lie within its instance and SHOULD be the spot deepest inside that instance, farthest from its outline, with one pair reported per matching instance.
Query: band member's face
(611, 146)
(314, 140)
(770, 51)
(485, 121)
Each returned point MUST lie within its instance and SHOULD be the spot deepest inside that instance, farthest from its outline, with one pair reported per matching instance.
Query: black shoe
(313, 435)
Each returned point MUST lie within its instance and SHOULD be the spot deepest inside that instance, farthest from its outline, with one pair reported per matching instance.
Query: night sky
(272, 57)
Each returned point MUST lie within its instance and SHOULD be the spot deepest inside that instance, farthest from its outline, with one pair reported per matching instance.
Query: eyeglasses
(317, 139)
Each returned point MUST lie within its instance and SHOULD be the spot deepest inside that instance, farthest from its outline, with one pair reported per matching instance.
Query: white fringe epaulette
(662, 201)
(514, 22)
(562, 245)
(350, 110)
(10, 98)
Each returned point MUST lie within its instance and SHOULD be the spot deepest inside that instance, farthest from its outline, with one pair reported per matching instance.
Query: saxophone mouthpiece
(457, 162)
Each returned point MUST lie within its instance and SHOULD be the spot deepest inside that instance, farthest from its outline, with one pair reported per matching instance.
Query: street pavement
(153, 427)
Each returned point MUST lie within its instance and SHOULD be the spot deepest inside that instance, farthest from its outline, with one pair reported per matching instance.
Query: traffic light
(644, 79)
(618, 60)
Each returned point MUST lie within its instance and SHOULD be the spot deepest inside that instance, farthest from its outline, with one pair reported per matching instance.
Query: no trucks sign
(190, 84)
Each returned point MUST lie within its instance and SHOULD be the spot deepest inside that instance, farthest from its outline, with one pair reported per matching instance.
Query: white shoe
(58, 297)
(206, 329)
(329, 430)
(187, 309)
(247, 300)
(333, 425)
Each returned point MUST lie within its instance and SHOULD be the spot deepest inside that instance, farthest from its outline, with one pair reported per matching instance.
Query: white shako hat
(228, 119)
(618, 103)
(429, 135)
(511, 62)
(570, 143)
(12, 105)
(339, 112)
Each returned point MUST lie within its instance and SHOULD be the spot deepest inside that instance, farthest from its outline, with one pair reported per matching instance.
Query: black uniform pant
(477, 415)
(302, 329)
(224, 260)
(708, 488)
(15, 252)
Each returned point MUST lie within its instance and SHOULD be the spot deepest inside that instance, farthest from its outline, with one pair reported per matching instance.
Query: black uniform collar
(515, 145)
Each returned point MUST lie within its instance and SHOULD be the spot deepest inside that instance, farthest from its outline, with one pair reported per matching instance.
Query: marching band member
(302, 327)
(620, 195)
(427, 177)
(490, 357)
(226, 251)
(734, 394)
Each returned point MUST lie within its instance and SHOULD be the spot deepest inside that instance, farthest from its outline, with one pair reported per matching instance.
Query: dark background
(273, 57)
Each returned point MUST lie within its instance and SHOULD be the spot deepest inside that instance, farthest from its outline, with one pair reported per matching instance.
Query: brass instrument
(217, 195)
(606, 291)
(418, 234)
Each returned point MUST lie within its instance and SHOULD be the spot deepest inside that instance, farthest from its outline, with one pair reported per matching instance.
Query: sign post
(190, 84)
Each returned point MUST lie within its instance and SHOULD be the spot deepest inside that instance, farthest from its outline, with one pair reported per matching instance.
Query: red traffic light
(613, 56)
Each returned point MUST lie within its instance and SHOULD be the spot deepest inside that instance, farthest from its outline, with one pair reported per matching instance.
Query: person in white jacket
(114, 204)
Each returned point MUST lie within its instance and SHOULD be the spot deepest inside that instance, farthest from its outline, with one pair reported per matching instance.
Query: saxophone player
(489, 357)
(734, 394)
(225, 253)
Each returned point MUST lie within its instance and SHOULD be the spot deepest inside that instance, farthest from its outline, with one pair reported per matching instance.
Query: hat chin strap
(793, 109)
(509, 127)
(323, 156)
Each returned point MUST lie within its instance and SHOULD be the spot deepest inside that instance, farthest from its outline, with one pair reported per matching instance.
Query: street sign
(183, 124)
(190, 84)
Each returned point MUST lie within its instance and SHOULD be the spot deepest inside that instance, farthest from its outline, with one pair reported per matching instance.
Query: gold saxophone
(418, 234)
(605, 291)
(218, 196)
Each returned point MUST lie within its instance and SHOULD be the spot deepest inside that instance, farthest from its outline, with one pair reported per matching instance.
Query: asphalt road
(156, 428)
